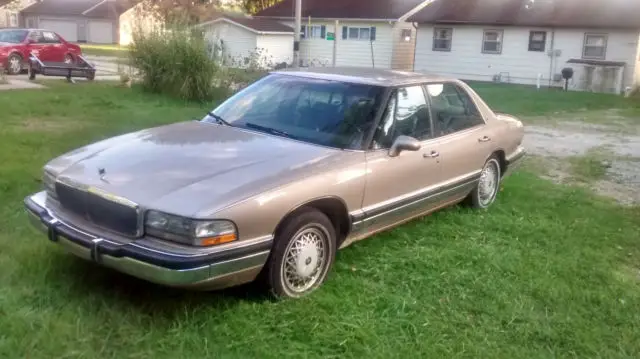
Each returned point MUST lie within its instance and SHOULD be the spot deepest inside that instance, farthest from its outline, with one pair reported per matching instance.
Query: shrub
(175, 62)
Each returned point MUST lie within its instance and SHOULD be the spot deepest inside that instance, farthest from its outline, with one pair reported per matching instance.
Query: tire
(485, 192)
(315, 235)
(14, 64)
(68, 59)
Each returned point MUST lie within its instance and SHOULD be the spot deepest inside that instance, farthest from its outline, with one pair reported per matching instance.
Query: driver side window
(406, 114)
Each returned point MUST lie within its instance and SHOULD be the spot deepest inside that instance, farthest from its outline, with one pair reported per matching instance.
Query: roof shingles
(261, 25)
(344, 9)
(547, 13)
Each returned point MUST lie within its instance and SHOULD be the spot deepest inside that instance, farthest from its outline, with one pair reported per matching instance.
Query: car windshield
(323, 112)
(12, 36)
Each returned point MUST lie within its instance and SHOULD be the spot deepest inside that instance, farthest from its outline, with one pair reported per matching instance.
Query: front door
(56, 50)
(38, 45)
(461, 131)
(399, 187)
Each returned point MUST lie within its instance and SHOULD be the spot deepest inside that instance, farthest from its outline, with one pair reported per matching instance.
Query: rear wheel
(484, 194)
(14, 64)
(302, 256)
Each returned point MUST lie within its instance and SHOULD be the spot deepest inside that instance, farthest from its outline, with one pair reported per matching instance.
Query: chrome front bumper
(210, 269)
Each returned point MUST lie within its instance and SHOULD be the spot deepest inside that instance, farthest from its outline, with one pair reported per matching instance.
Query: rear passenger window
(452, 109)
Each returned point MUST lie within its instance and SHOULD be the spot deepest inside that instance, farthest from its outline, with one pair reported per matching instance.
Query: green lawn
(104, 50)
(527, 101)
(548, 272)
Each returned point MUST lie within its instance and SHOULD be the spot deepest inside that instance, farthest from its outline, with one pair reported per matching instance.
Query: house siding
(516, 63)
(636, 82)
(138, 18)
(319, 52)
(403, 51)
(239, 46)
(275, 49)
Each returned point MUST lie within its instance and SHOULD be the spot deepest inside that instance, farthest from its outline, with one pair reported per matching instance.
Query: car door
(463, 136)
(398, 186)
(55, 49)
(37, 45)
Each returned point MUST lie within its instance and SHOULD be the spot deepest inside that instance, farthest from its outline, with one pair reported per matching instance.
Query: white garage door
(66, 28)
(101, 32)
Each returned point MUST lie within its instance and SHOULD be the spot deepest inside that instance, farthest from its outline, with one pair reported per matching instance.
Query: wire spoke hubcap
(305, 260)
(488, 186)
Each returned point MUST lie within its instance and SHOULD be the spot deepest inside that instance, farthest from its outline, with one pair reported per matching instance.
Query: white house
(526, 41)
(359, 32)
(244, 42)
(94, 21)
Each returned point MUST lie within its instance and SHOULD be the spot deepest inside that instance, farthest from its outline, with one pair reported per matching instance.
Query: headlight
(189, 231)
(49, 183)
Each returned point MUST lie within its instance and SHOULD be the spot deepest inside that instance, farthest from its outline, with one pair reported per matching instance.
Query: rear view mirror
(404, 143)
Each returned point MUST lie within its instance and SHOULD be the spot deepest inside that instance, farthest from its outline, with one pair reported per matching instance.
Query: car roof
(364, 75)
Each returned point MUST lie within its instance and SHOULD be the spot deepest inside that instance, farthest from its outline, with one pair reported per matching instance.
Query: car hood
(185, 167)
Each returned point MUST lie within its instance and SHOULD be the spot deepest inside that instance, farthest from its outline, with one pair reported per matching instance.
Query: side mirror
(404, 143)
(31, 41)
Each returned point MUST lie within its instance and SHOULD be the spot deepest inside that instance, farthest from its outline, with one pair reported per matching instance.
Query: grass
(104, 50)
(524, 100)
(592, 166)
(548, 272)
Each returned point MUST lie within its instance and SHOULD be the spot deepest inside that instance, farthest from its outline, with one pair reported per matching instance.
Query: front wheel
(485, 192)
(304, 252)
(14, 64)
(68, 59)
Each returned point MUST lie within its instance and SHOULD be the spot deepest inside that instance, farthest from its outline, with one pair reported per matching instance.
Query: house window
(595, 46)
(442, 39)
(537, 41)
(13, 20)
(492, 42)
(359, 33)
(312, 32)
(405, 35)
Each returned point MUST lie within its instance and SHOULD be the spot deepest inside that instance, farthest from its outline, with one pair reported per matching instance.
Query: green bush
(175, 62)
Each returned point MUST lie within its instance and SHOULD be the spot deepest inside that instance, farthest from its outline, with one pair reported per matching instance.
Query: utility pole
(296, 31)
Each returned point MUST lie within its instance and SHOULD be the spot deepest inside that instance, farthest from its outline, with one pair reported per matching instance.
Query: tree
(180, 11)
(254, 6)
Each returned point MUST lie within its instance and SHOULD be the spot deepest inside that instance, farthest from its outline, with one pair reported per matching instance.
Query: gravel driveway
(556, 147)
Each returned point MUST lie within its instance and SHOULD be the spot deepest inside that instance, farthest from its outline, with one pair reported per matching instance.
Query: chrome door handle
(433, 154)
(484, 139)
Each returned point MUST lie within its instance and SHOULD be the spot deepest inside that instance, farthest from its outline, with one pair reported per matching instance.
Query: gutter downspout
(552, 55)
(415, 45)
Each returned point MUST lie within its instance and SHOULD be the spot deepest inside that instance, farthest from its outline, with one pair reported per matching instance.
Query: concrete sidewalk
(19, 84)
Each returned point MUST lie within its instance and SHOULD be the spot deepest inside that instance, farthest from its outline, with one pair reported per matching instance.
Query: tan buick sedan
(278, 177)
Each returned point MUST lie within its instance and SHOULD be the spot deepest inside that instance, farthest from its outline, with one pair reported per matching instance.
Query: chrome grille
(100, 211)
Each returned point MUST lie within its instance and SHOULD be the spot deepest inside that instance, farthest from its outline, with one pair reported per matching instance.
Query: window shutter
(344, 32)
(323, 31)
(373, 33)
(303, 30)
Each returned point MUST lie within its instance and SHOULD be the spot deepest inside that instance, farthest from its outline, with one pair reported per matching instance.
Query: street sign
(331, 36)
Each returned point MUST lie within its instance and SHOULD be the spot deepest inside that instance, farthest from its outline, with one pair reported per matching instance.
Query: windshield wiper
(219, 120)
(270, 130)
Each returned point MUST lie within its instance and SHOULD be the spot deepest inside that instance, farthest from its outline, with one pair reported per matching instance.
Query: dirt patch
(35, 124)
(599, 156)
